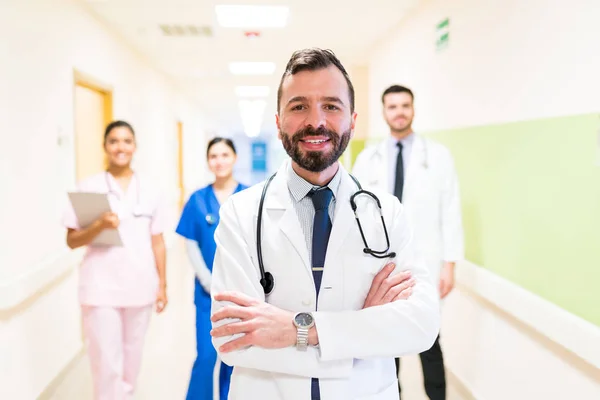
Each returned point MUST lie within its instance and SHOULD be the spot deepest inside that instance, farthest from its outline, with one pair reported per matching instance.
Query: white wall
(41, 43)
(507, 60)
(503, 342)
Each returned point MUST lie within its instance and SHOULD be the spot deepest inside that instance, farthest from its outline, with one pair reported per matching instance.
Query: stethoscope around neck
(267, 281)
(137, 208)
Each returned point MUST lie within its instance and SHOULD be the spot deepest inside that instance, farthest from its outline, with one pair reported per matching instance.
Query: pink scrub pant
(115, 339)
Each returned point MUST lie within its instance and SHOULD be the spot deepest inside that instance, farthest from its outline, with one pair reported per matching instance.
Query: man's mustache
(310, 131)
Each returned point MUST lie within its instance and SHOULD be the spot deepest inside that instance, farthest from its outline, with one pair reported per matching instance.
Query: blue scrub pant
(201, 381)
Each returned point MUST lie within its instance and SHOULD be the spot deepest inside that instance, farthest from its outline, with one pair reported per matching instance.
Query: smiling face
(221, 159)
(398, 111)
(315, 120)
(120, 146)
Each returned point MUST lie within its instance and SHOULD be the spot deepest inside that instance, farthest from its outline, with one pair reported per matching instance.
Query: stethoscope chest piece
(137, 211)
(268, 283)
(211, 219)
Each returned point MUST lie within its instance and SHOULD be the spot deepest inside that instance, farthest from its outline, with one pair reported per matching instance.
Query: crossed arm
(401, 311)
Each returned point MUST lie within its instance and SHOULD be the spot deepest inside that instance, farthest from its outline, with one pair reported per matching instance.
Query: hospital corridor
(169, 353)
(277, 200)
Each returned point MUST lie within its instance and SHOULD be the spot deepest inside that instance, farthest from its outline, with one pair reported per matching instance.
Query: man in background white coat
(421, 174)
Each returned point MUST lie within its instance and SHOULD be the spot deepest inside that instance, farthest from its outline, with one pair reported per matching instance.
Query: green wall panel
(531, 205)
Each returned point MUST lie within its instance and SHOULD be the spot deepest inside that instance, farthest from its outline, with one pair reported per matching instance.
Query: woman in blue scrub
(197, 224)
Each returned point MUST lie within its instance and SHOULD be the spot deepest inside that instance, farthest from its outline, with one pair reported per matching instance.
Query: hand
(386, 289)
(109, 220)
(446, 279)
(262, 324)
(161, 299)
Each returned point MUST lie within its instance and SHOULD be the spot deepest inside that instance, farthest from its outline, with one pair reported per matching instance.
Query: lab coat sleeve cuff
(392, 330)
(289, 361)
(453, 256)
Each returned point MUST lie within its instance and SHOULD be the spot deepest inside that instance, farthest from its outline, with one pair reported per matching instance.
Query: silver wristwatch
(303, 321)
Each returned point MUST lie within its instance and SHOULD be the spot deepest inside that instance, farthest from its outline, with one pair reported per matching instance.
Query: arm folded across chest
(233, 270)
(395, 329)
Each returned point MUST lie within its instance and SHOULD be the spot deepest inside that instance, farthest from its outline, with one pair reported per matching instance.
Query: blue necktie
(321, 230)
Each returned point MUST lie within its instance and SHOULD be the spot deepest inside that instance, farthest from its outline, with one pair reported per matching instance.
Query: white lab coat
(431, 197)
(356, 350)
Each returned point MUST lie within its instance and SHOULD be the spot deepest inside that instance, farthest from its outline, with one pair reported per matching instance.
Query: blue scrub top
(198, 222)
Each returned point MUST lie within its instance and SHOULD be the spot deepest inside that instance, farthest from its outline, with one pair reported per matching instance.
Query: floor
(170, 350)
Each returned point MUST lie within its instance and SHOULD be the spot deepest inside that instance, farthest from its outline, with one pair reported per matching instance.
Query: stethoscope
(266, 278)
(425, 155)
(137, 208)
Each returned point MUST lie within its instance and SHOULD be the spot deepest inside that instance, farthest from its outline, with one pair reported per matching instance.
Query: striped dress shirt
(299, 189)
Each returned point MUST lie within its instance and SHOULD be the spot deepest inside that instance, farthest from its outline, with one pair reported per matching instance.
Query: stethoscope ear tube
(267, 281)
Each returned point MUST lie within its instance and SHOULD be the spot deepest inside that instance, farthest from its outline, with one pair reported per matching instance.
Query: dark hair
(216, 140)
(313, 60)
(117, 124)
(397, 89)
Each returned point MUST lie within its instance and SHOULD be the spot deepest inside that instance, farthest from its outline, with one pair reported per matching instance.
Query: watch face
(304, 319)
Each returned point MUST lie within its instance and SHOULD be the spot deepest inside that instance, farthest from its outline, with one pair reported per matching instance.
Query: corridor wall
(509, 87)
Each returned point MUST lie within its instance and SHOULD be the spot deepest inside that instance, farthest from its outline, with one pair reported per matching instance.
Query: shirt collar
(407, 141)
(299, 187)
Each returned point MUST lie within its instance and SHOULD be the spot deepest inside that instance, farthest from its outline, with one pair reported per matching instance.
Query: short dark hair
(117, 124)
(216, 140)
(397, 89)
(314, 59)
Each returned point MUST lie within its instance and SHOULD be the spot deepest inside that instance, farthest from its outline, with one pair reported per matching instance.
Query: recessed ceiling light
(247, 16)
(252, 112)
(251, 68)
(252, 91)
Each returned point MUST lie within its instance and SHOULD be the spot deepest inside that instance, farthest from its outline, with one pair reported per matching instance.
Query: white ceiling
(199, 64)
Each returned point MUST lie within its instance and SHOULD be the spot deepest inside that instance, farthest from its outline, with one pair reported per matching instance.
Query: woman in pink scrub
(118, 285)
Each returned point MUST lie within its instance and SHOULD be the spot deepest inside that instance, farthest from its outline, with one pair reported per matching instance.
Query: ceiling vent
(186, 30)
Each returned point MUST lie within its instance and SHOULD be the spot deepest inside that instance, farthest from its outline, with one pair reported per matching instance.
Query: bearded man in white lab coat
(420, 173)
(334, 304)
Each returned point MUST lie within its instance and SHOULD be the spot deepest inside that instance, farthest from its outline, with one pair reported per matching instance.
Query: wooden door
(93, 111)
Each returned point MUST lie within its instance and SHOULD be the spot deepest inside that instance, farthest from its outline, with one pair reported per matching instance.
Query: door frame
(181, 181)
(88, 81)
(106, 90)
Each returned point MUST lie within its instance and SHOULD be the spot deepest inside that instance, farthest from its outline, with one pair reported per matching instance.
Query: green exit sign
(442, 34)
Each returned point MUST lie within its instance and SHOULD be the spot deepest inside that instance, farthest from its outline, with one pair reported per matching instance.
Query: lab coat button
(307, 302)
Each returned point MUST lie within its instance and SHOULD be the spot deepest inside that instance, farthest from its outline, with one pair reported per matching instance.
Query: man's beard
(315, 161)
(400, 128)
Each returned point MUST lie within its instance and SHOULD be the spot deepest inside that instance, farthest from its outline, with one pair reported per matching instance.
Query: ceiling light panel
(252, 113)
(248, 16)
(251, 68)
(252, 91)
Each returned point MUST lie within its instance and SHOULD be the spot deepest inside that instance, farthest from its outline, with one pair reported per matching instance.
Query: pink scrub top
(122, 276)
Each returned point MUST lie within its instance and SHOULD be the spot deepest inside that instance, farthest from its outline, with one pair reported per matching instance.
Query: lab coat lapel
(278, 199)
(343, 220)
(380, 165)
